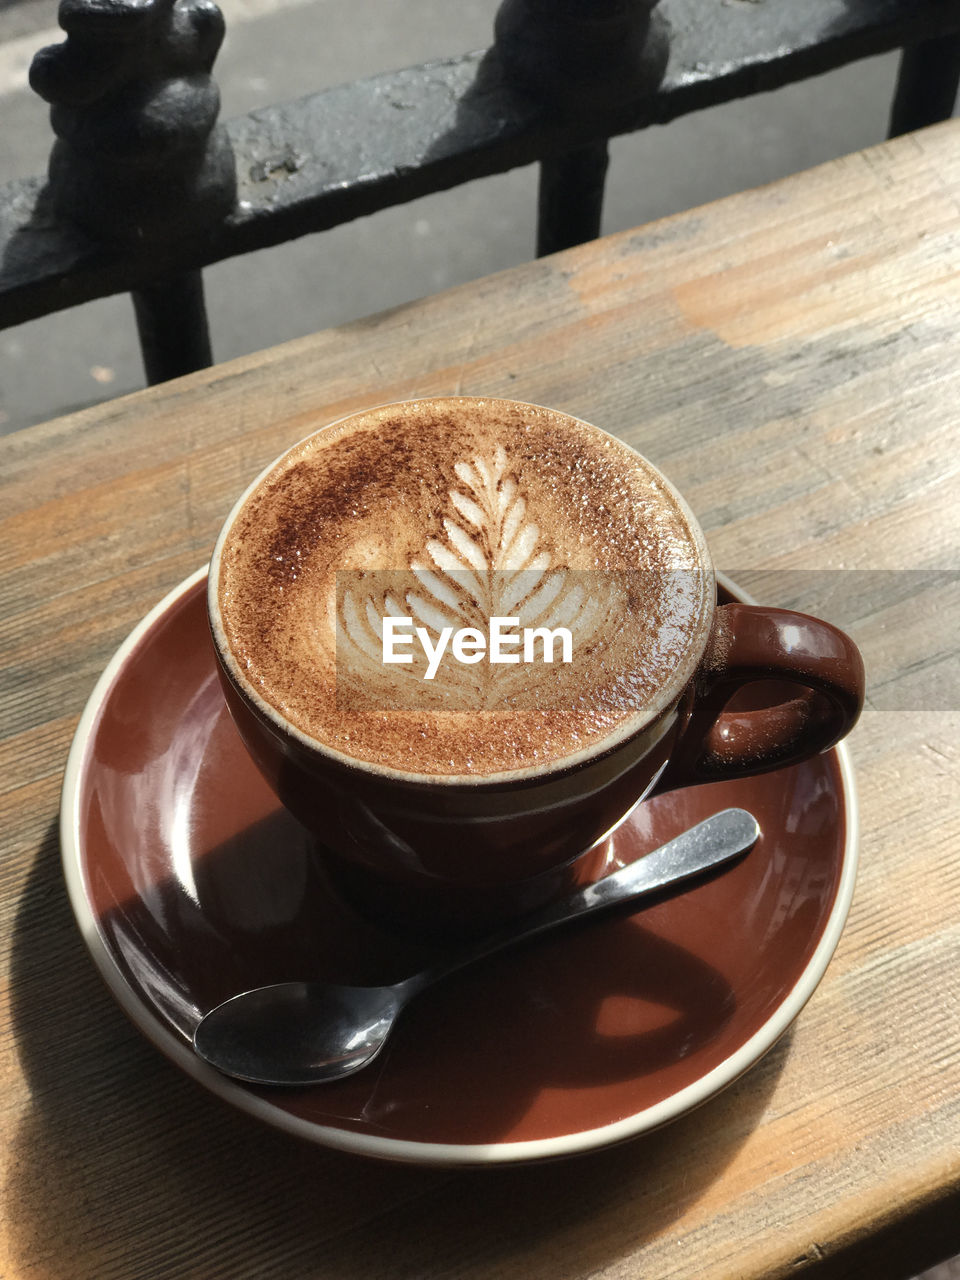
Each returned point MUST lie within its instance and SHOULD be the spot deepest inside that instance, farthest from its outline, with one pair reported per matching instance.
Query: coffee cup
(463, 637)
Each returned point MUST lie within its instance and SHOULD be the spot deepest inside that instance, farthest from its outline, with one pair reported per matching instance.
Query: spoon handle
(709, 844)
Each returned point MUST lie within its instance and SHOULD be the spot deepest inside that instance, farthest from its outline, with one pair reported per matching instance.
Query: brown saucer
(190, 884)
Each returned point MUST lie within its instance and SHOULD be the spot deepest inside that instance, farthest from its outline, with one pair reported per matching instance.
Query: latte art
(492, 531)
(468, 540)
(486, 565)
(395, 631)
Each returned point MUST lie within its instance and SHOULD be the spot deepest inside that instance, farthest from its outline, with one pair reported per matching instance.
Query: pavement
(276, 50)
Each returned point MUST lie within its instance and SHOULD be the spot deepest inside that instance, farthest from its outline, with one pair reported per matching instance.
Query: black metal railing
(145, 187)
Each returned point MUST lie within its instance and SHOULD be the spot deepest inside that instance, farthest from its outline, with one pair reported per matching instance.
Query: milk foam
(449, 512)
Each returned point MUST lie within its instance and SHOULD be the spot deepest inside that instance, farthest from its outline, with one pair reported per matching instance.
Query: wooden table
(791, 358)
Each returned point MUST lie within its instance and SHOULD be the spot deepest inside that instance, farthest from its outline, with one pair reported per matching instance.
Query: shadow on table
(138, 1171)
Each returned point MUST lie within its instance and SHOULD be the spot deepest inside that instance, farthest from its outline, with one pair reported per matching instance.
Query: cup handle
(753, 643)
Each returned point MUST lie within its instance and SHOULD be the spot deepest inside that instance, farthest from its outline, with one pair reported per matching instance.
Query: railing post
(139, 162)
(570, 198)
(927, 84)
(172, 323)
(577, 56)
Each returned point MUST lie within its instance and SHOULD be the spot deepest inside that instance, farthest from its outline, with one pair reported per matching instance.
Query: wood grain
(790, 357)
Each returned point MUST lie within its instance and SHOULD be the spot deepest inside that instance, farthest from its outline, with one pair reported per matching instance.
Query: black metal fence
(145, 188)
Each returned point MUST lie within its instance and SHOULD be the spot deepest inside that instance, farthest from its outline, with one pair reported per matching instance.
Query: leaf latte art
(450, 515)
(486, 561)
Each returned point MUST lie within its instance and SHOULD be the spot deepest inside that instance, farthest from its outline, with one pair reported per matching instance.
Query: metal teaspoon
(304, 1033)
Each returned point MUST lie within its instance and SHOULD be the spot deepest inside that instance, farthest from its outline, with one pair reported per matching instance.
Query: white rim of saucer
(407, 1150)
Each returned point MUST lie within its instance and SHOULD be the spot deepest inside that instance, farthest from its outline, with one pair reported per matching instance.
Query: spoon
(304, 1033)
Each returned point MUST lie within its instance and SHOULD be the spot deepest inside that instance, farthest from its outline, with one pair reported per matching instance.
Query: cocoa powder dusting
(493, 487)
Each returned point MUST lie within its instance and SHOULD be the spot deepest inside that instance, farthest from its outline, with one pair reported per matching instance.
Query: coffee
(479, 524)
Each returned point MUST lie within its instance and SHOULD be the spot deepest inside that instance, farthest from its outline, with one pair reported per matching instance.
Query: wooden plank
(789, 357)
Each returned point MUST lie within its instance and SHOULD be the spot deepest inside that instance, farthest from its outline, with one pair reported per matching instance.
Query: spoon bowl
(336, 1030)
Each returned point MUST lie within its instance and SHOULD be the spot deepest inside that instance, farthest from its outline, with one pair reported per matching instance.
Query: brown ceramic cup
(448, 852)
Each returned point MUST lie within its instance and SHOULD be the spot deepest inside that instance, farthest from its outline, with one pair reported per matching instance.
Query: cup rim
(632, 726)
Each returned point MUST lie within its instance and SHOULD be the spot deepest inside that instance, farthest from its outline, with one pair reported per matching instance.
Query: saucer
(190, 883)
